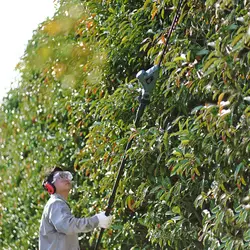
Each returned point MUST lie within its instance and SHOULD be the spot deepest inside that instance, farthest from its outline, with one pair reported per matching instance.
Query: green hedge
(186, 182)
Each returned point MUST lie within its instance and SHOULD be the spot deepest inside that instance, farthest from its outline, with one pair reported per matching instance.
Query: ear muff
(49, 187)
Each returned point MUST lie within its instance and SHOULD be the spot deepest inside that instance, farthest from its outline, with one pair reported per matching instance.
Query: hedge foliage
(186, 182)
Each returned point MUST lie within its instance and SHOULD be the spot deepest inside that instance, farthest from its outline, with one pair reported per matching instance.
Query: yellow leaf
(44, 52)
(154, 11)
(146, 4)
(59, 69)
(163, 39)
(52, 28)
(124, 39)
(56, 27)
(130, 203)
(220, 98)
(197, 171)
(243, 181)
(89, 24)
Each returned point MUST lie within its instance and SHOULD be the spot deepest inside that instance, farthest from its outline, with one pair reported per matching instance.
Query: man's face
(62, 181)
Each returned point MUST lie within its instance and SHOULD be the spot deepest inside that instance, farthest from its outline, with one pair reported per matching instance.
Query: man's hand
(104, 221)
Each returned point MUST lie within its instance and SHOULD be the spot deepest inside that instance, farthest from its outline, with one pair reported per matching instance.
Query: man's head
(58, 181)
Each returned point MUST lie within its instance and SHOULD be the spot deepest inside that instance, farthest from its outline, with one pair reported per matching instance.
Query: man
(59, 228)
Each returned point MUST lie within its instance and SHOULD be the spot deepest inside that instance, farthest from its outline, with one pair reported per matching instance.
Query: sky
(18, 20)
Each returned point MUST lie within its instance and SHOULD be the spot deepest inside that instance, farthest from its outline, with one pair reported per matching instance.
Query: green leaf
(176, 210)
(176, 218)
(237, 39)
(233, 26)
(179, 58)
(177, 152)
(229, 245)
(225, 239)
(247, 235)
(237, 170)
(216, 209)
(209, 63)
(194, 110)
(202, 52)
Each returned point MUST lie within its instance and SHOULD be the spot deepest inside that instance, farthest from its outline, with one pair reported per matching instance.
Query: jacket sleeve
(64, 222)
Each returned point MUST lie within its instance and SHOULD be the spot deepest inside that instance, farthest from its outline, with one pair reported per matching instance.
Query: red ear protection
(50, 187)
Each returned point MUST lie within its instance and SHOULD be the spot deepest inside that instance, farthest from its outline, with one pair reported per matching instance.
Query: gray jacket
(59, 228)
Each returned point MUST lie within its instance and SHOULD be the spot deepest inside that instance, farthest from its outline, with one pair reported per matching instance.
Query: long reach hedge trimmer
(148, 80)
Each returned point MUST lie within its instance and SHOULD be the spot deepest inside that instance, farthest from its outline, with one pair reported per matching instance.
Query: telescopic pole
(148, 80)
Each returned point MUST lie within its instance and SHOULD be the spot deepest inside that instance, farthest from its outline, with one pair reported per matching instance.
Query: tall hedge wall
(186, 182)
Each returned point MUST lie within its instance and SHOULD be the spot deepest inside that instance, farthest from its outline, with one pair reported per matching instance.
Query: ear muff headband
(50, 187)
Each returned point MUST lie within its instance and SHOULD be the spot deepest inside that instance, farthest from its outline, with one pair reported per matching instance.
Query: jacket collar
(57, 196)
